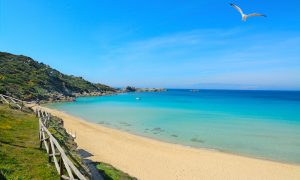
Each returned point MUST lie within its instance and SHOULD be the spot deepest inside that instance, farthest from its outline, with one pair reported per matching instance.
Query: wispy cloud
(232, 56)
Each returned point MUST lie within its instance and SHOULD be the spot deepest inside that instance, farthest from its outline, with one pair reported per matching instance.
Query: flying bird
(245, 16)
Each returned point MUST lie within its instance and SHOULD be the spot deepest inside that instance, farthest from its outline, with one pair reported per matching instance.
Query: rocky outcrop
(59, 97)
(56, 97)
(150, 89)
(134, 89)
(94, 93)
(129, 89)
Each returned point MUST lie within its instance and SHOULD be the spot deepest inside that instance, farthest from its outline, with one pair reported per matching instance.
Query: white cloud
(233, 56)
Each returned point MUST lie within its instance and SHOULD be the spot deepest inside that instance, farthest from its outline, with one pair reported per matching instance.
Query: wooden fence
(63, 164)
(13, 101)
(56, 154)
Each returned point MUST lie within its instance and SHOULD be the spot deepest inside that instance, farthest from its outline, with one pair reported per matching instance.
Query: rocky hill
(27, 79)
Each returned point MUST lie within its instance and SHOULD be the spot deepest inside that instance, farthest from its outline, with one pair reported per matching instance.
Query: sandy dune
(146, 158)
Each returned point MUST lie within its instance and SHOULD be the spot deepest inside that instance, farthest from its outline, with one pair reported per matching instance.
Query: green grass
(20, 156)
(67, 143)
(111, 173)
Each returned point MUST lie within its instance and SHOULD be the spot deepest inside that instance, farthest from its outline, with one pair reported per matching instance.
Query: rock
(129, 89)
(133, 89)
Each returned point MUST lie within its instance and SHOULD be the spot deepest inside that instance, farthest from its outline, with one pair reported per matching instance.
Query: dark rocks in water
(157, 130)
(125, 123)
(197, 140)
(174, 135)
(103, 122)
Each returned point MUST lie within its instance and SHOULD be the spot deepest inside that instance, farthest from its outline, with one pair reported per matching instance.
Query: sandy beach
(146, 158)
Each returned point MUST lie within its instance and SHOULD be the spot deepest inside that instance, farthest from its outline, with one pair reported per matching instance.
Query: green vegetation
(111, 173)
(26, 79)
(20, 156)
(55, 126)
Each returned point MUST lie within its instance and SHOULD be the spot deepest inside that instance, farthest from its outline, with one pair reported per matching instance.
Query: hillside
(27, 79)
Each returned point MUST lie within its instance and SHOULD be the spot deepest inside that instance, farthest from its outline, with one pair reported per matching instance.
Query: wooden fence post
(61, 164)
(40, 135)
(50, 149)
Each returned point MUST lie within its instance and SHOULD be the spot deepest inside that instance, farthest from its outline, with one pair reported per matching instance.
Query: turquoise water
(263, 124)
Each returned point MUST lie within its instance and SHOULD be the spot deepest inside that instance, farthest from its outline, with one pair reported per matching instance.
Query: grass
(110, 173)
(20, 156)
(67, 143)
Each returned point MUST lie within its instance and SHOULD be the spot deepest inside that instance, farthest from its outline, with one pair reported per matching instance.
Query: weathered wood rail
(63, 164)
(13, 101)
(56, 154)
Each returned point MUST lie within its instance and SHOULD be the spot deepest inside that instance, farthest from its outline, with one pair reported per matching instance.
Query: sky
(170, 43)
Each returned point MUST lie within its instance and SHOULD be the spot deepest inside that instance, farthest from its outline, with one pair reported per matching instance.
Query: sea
(260, 124)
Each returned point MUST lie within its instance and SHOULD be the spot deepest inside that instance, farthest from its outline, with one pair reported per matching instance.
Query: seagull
(245, 16)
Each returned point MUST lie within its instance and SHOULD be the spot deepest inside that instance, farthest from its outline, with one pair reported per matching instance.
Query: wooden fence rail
(13, 101)
(63, 164)
(56, 154)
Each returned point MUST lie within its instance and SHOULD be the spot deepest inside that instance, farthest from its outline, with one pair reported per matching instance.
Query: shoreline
(193, 147)
(148, 158)
(165, 141)
(182, 145)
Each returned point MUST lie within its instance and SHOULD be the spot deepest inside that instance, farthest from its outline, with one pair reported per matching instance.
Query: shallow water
(263, 124)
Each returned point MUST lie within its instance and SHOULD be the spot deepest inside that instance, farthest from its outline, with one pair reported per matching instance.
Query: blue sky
(176, 44)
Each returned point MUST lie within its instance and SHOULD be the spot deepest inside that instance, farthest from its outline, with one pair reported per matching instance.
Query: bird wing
(237, 8)
(256, 14)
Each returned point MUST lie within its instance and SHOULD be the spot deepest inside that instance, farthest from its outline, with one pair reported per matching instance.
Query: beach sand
(146, 158)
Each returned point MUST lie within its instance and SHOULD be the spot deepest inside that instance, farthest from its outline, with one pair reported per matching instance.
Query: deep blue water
(263, 124)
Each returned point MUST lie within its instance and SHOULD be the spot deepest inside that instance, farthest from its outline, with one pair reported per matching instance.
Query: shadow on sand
(91, 165)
